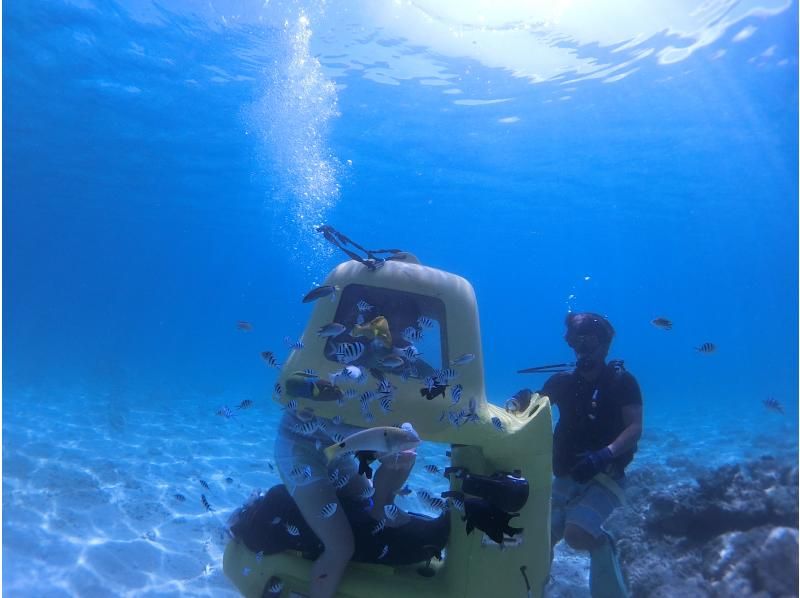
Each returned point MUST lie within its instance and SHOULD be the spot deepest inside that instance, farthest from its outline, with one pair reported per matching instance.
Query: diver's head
(590, 336)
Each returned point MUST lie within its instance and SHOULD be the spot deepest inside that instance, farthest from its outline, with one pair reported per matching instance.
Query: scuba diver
(600, 423)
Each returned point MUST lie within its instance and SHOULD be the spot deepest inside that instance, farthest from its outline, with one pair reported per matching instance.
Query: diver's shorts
(293, 451)
(585, 505)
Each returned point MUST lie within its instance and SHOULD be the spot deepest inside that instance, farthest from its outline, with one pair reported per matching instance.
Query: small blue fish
(368, 492)
(328, 510)
(278, 389)
(363, 306)
(319, 292)
(205, 502)
(336, 420)
(291, 405)
(384, 552)
(433, 468)
(342, 481)
(497, 423)
(391, 361)
(463, 359)
(259, 556)
(331, 330)
(386, 404)
(391, 511)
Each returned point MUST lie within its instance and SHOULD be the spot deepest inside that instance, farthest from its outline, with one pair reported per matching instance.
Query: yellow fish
(383, 439)
(378, 328)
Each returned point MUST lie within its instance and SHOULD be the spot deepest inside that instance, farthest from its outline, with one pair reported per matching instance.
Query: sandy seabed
(92, 490)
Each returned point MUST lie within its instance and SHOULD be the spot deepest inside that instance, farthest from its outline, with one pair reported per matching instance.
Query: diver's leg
(584, 531)
(389, 478)
(334, 532)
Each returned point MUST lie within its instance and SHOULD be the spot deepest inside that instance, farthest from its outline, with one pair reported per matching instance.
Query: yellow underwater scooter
(487, 443)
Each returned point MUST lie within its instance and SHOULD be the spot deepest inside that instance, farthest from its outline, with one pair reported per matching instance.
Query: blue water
(163, 167)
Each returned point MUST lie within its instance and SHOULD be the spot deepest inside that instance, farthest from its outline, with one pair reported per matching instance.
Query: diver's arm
(627, 439)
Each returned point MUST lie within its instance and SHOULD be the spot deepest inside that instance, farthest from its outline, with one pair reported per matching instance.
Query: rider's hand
(519, 401)
(590, 464)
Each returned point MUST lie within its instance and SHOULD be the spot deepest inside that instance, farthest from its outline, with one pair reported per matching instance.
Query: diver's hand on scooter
(590, 464)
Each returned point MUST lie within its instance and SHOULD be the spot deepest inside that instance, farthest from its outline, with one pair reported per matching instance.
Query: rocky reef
(732, 531)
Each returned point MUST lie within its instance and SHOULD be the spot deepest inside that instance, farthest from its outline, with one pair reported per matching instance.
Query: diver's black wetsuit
(583, 427)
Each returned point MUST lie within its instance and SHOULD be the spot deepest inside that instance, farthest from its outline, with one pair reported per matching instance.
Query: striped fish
(292, 529)
(438, 503)
(328, 510)
(278, 389)
(367, 397)
(350, 393)
(363, 306)
(433, 468)
(259, 556)
(412, 335)
(336, 420)
(706, 348)
(308, 373)
(455, 393)
(291, 405)
(384, 552)
(276, 587)
(347, 352)
(298, 344)
(337, 438)
(269, 357)
(306, 428)
(342, 481)
(205, 502)
(386, 404)
(446, 375)
(497, 423)
(425, 322)
(458, 504)
(410, 352)
(391, 511)
(379, 527)
(367, 492)
(301, 471)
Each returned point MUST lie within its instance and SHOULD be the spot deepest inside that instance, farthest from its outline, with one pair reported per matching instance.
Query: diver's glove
(590, 464)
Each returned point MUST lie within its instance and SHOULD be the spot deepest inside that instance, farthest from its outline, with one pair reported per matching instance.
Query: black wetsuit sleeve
(628, 392)
(555, 386)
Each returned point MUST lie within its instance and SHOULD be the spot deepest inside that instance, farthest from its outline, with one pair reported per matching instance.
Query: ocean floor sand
(91, 487)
